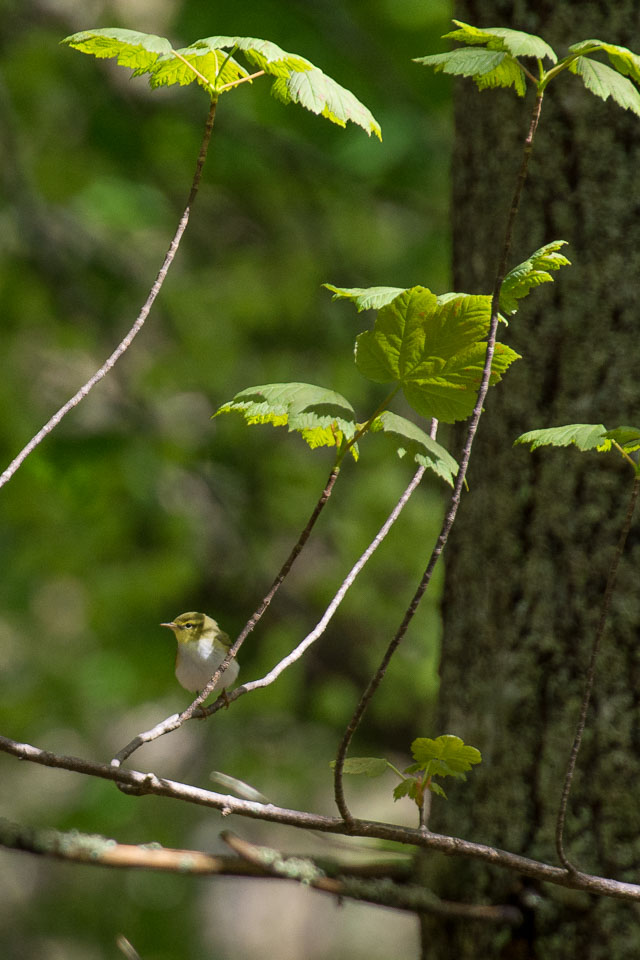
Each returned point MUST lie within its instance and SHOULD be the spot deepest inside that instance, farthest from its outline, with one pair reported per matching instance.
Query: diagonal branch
(454, 503)
(253, 620)
(176, 720)
(125, 343)
(591, 670)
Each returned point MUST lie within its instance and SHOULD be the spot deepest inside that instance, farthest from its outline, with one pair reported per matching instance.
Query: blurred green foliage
(139, 506)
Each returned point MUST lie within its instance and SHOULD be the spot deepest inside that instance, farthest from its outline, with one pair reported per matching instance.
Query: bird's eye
(188, 626)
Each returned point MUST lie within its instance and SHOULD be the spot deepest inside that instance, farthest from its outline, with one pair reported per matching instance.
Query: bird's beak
(170, 625)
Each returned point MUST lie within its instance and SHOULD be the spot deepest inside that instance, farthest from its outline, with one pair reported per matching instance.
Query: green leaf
(605, 82)
(534, 271)
(627, 437)
(463, 62)
(139, 51)
(448, 752)
(495, 66)
(322, 417)
(317, 92)
(216, 68)
(146, 53)
(410, 439)
(435, 787)
(434, 350)
(406, 788)
(507, 74)
(515, 42)
(365, 298)
(296, 80)
(263, 54)
(488, 68)
(586, 436)
(621, 58)
(364, 766)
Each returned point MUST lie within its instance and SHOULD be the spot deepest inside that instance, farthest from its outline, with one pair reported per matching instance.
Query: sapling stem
(382, 406)
(454, 503)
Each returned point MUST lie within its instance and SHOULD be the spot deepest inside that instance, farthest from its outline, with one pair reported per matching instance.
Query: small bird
(202, 646)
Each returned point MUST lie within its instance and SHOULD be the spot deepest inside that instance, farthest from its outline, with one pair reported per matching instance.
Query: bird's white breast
(197, 662)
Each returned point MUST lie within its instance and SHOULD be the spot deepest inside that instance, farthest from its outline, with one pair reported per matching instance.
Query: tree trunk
(527, 563)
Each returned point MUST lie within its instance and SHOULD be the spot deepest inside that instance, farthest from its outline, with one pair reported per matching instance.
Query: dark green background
(139, 506)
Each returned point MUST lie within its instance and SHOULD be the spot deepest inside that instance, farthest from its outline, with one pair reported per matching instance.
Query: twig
(604, 612)
(348, 582)
(460, 479)
(148, 783)
(252, 861)
(139, 323)
(176, 720)
(384, 892)
(253, 620)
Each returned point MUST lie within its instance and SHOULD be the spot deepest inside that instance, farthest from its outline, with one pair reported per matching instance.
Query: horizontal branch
(384, 892)
(148, 783)
(369, 885)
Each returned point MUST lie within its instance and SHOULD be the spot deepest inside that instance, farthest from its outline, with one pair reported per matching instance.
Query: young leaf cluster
(519, 282)
(496, 65)
(431, 347)
(446, 756)
(491, 58)
(211, 63)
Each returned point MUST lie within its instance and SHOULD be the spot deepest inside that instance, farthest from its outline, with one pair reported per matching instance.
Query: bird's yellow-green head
(202, 646)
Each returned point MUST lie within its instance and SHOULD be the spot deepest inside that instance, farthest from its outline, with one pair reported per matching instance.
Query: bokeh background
(139, 506)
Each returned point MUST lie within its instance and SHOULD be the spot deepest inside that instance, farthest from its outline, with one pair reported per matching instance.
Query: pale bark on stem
(126, 342)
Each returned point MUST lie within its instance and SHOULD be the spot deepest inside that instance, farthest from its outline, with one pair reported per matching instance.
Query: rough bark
(527, 563)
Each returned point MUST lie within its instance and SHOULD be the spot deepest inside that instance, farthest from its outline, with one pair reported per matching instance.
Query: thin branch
(526, 72)
(449, 519)
(139, 323)
(348, 582)
(360, 432)
(383, 892)
(149, 783)
(100, 851)
(251, 862)
(591, 670)
(176, 720)
(253, 620)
